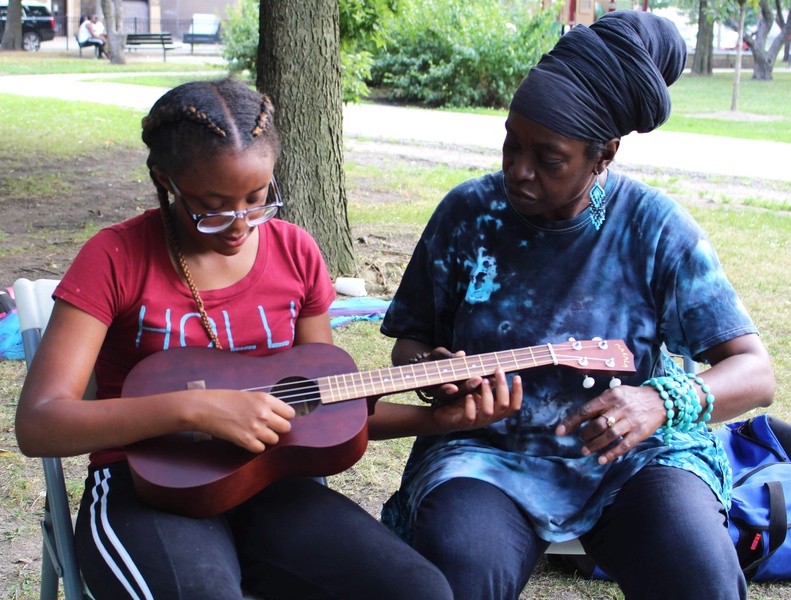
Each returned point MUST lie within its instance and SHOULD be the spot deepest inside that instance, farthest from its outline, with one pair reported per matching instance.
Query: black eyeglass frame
(236, 214)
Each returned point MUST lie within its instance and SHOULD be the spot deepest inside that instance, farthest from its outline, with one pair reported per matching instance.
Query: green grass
(48, 185)
(695, 97)
(698, 95)
(48, 63)
(163, 80)
(692, 96)
(413, 192)
(63, 129)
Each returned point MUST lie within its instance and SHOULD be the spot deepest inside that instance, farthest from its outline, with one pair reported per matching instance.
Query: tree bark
(704, 46)
(764, 58)
(299, 68)
(114, 24)
(737, 74)
(12, 36)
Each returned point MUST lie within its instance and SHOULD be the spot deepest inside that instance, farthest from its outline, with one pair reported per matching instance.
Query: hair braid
(193, 114)
(265, 117)
(173, 243)
(169, 114)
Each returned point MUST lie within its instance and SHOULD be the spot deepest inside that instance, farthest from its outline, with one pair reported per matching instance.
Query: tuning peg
(615, 382)
(588, 382)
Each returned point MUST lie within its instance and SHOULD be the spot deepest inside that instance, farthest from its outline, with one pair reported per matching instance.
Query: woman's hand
(252, 420)
(447, 392)
(470, 404)
(621, 417)
(487, 403)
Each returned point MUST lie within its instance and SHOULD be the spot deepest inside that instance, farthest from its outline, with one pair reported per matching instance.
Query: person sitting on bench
(89, 35)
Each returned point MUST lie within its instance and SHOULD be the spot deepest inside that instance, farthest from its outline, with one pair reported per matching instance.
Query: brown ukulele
(193, 474)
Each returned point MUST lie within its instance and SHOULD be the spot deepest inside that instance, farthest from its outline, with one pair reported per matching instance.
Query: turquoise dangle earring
(598, 198)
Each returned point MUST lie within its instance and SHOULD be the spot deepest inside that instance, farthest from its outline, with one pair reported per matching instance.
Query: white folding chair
(58, 560)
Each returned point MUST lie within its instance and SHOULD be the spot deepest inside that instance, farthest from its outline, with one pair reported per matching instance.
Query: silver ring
(610, 422)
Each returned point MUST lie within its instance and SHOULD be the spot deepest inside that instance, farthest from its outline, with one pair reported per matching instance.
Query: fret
(413, 377)
(386, 380)
(438, 377)
(371, 385)
(513, 356)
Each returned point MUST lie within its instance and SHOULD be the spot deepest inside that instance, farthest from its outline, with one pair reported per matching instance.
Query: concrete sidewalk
(426, 129)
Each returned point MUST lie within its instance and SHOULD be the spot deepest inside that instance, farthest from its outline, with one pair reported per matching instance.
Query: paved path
(424, 129)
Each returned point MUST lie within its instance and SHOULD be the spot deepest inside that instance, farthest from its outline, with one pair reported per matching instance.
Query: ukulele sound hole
(302, 394)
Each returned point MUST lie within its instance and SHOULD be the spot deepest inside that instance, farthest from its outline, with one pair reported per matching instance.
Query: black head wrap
(606, 80)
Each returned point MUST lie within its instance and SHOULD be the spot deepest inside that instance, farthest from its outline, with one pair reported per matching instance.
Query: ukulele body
(192, 474)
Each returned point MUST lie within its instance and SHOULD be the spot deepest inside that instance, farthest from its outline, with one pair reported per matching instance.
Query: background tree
(12, 36)
(700, 11)
(771, 12)
(737, 72)
(299, 67)
(114, 24)
(702, 63)
(363, 24)
(764, 58)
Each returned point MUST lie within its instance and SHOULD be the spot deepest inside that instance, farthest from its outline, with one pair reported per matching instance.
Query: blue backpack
(758, 450)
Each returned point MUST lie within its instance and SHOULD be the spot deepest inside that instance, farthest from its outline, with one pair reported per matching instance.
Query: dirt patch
(42, 228)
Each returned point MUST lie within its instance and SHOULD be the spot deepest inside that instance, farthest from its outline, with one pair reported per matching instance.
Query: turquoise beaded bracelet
(682, 403)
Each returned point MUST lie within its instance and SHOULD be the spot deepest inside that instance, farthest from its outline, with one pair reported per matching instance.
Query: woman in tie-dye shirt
(558, 246)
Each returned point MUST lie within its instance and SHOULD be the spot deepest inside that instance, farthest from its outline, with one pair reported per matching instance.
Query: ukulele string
(294, 392)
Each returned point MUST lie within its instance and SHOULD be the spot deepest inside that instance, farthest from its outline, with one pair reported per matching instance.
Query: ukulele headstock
(595, 356)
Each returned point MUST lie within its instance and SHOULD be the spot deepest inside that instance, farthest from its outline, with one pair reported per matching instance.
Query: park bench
(81, 46)
(204, 29)
(135, 41)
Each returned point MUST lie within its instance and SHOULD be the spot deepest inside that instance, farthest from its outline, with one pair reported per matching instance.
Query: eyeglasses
(220, 221)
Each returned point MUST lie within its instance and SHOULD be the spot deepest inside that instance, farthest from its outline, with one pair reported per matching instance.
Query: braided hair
(196, 120)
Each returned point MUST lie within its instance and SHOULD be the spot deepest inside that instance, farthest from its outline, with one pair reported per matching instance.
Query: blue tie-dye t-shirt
(484, 278)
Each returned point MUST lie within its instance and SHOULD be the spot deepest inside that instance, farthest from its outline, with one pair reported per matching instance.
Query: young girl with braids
(211, 268)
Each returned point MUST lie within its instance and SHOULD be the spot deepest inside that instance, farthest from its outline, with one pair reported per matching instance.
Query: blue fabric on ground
(357, 309)
(341, 313)
(11, 337)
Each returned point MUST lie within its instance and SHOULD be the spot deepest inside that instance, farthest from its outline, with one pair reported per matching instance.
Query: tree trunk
(12, 36)
(704, 47)
(737, 75)
(299, 68)
(763, 57)
(114, 24)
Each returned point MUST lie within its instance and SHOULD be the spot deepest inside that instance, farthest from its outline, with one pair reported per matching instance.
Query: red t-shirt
(123, 276)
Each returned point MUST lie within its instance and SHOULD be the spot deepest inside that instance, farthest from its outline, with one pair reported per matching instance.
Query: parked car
(38, 25)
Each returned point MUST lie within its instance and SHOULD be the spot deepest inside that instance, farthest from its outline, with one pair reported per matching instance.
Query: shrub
(240, 34)
(361, 25)
(463, 52)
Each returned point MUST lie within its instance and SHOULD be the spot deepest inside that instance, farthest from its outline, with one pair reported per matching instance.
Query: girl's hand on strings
(252, 420)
